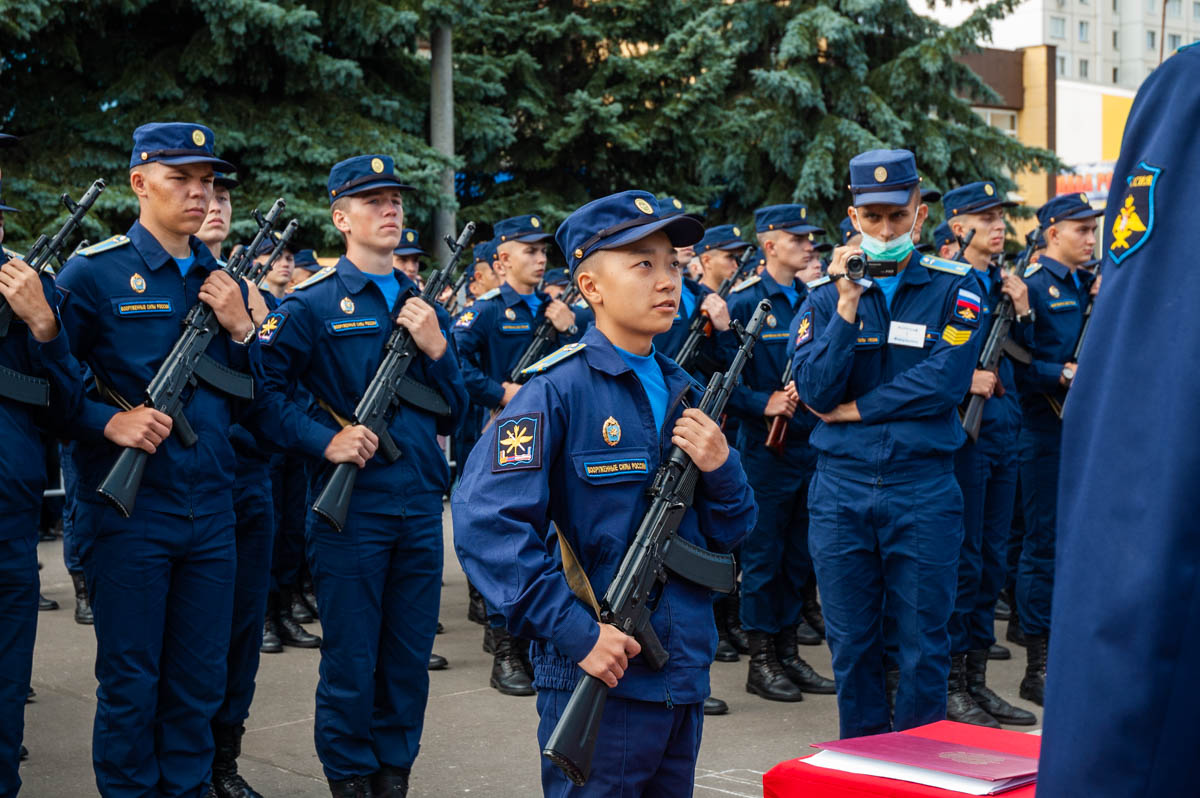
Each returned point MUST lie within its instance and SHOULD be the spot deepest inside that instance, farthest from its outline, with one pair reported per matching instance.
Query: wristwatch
(249, 337)
(573, 329)
(1030, 316)
(1068, 373)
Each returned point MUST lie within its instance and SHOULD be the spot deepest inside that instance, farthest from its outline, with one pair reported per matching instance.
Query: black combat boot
(766, 677)
(438, 663)
(1033, 686)
(476, 609)
(997, 651)
(988, 701)
(290, 632)
(799, 671)
(83, 607)
(1014, 633)
(300, 611)
(226, 783)
(309, 596)
(45, 604)
(715, 706)
(960, 706)
(389, 782)
(270, 641)
(1003, 608)
(806, 635)
(725, 650)
(810, 610)
(353, 787)
(508, 672)
(733, 626)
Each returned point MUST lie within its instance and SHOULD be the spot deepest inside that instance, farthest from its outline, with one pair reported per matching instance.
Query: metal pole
(441, 126)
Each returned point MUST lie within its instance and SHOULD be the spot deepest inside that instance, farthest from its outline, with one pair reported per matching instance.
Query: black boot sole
(752, 690)
(520, 691)
(999, 652)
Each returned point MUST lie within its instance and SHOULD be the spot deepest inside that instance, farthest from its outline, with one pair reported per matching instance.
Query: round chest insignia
(137, 283)
(771, 320)
(510, 314)
(1054, 292)
(347, 305)
(612, 431)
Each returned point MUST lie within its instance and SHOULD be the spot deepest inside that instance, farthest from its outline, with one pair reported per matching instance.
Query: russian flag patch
(967, 307)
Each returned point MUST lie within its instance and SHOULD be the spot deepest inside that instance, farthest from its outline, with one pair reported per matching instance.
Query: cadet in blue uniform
(714, 251)
(573, 453)
(161, 581)
(884, 368)
(491, 337)
(304, 265)
(378, 580)
(944, 242)
(36, 348)
(407, 256)
(776, 568)
(986, 470)
(1058, 294)
(1121, 699)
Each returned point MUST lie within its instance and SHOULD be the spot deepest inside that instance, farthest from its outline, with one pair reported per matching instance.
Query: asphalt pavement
(476, 741)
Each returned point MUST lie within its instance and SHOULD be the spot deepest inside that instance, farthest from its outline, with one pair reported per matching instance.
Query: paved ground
(476, 741)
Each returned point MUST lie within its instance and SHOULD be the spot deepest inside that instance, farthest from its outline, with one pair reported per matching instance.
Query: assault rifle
(698, 329)
(543, 337)
(778, 432)
(655, 552)
(386, 389)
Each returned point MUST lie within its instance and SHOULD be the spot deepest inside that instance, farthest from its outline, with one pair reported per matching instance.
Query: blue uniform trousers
(1041, 447)
(255, 514)
(291, 509)
(776, 565)
(378, 584)
(18, 626)
(70, 481)
(878, 545)
(161, 587)
(645, 749)
(988, 481)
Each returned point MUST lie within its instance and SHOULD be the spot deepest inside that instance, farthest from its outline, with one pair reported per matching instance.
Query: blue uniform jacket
(491, 336)
(669, 342)
(762, 375)
(328, 335)
(22, 426)
(123, 307)
(255, 460)
(1058, 306)
(578, 447)
(908, 396)
(1001, 423)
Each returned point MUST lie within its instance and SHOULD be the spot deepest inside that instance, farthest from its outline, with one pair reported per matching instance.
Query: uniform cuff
(725, 481)
(56, 350)
(576, 632)
(315, 438)
(493, 394)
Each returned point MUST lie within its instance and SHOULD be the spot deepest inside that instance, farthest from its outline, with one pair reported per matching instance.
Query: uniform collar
(914, 273)
(773, 286)
(511, 297)
(156, 257)
(1059, 270)
(601, 355)
(356, 280)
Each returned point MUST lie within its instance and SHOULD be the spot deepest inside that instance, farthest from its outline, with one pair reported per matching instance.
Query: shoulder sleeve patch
(518, 444)
(942, 265)
(804, 330)
(466, 319)
(744, 284)
(495, 292)
(967, 307)
(104, 246)
(554, 358)
(316, 278)
(1032, 270)
(271, 326)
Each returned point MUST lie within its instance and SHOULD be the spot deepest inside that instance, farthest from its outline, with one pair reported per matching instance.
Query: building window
(1062, 66)
(1116, 9)
(1195, 10)
(1151, 40)
(1115, 75)
(1083, 31)
(1058, 28)
(1174, 41)
(1004, 121)
(1152, 6)
(1116, 40)
(1083, 69)
(1175, 8)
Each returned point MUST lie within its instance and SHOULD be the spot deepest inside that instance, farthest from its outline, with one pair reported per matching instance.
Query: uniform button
(879, 482)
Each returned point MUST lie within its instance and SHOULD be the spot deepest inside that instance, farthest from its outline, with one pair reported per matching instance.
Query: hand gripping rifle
(386, 389)
(656, 550)
(999, 343)
(543, 337)
(700, 325)
(779, 425)
(187, 364)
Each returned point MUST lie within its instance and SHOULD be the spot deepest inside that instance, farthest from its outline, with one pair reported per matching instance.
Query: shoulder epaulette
(1032, 269)
(942, 265)
(581, 304)
(316, 278)
(104, 246)
(820, 281)
(488, 294)
(744, 284)
(554, 358)
(9, 254)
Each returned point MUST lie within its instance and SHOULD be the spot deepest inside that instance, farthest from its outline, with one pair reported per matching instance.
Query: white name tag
(905, 334)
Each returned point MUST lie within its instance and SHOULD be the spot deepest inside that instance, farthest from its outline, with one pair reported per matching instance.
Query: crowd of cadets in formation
(905, 348)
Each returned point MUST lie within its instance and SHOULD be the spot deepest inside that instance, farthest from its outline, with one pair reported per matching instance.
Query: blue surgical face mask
(897, 249)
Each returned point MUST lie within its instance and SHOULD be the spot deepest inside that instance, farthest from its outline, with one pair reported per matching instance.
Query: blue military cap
(556, 277)
(930, 195)
(527, 229)
(788, 218)
(847, 228)
(306, 259)
(883, 177)
(1064, 207)
(175, 144)
(942, 235)
(620, 219)
(3, 207)
(225, 181)
(723, 236)
(410, 244)
(363, 173)
(268, 244)
(974, 198)
(671, 205)
(485, 252)
(8, 140)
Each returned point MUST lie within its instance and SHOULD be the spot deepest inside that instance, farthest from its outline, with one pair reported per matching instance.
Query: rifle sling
(23, 388)
(577, 579)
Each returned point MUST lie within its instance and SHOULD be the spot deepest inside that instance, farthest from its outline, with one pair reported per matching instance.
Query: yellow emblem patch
(137, 283)
(737, 231)
(954, 336)
(643, 206)
(1054, 292)
(880, 174)
(198, 137)
(612, 431)
(347, 305)
(377, 165)
(678, 205)
(804, 213)
(510, 314)
(410, 236)
(771, 322)
(535, 222)
(987, 189)
(1083, 198)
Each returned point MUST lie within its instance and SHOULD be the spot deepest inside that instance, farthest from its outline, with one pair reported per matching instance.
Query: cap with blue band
(175, 144)
(619, 219)
(883, 177)
(363, 173)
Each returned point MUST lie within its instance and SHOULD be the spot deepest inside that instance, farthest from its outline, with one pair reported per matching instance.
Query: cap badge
(987, 189)
(198, 137)
(677, 204)
(145, 155)
(510, 314)
(377, 165)
(410, 236)
(347, 305)
(1054, 292)
(643, 206)
(1083, 198)
(534, 221)
(612, 431)
(737, 231)
(804, 213)
(880, 174)
(137, 283)
(578, 253)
